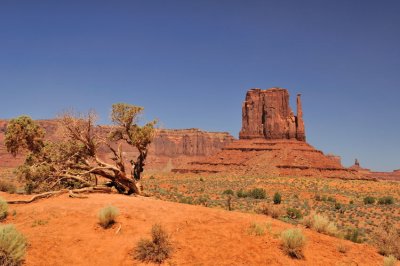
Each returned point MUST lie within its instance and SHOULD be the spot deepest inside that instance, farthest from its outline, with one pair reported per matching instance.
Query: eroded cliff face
(189, 142)
(170, 146)
(267, 114)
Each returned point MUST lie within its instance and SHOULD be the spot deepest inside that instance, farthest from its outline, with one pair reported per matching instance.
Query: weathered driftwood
(72, 193)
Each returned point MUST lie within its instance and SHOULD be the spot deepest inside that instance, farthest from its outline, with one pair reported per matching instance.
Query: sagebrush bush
(271, 210)
(12, 246)
(257, 193)
(387, 200)
(353, 234)
(3, 209)
(321, 224)
(107, 216)
(241, 193)
(294, 213)
(389, 261)
(6, 186)
(277, 198)
(387, 239)
(156, 250)
(256, 229)
(228, 192)
(293, 242)
(369, 200)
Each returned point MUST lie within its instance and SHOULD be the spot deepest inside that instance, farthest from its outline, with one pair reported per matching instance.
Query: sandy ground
(65, 231)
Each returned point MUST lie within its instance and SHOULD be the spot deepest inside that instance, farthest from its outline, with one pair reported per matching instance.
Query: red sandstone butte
(170, 147)
(272, 143)
(267, 114)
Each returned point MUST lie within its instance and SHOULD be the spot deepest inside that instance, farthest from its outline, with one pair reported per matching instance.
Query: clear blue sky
(190, 63)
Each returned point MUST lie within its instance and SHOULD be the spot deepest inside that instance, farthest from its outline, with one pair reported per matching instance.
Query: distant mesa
(272, 142)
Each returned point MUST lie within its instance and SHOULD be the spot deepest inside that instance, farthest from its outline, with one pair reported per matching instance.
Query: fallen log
(72, 192)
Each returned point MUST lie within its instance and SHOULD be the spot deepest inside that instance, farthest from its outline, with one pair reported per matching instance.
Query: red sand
(64, 231)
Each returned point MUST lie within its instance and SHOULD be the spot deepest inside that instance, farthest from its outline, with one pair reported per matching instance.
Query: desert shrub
(342, 248)
(369, 200)
(321, 224)
(331, 199)
(228, 192)
(12, 246)
(338, 206)
(277, 198)
(271, 210)
(186, 200)
(389, 261)
(318, 197)
(107, 216)
(387, 239)
(202, 200)
(293, 242)
(257, 193)
(155, 250)
(6, 186)
(353, 234)
(294, 213)
(3, 209)
(256, 229)
(241, 193)
(387, 200)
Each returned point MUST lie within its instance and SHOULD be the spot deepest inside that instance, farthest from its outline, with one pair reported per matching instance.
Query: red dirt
(64, 231)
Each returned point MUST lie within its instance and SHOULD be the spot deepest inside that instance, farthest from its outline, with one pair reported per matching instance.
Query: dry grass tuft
(389, 261)
(156, 250)
(107, 216)
(12, 246)
(3, 209)
(387, 239)
(293, 242)
(275, 211)
(321, 224)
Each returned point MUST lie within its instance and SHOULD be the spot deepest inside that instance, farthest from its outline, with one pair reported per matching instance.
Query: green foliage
(294, 213)
(369, 200)
(241, 193)
(107, 216)
(387, 200)
(3, 209)
(338, 206)
(22, 133)
(353, 234)
(277, 198)
(228, 192)
(293, 242)
(257, 193)
(12, 246)
(156, 250)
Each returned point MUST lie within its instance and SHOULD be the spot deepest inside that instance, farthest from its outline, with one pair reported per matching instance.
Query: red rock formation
(300, 130)
(170, 146)
(267, 114)
(272, 143)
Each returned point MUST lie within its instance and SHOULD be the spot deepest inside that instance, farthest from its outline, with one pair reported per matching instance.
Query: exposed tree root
(73, 193)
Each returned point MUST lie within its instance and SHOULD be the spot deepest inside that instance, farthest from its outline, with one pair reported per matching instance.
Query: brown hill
(64, 231)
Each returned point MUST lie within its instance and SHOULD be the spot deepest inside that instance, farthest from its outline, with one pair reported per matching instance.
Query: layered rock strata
(272, 143)
(267, 114)
(170, 147)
